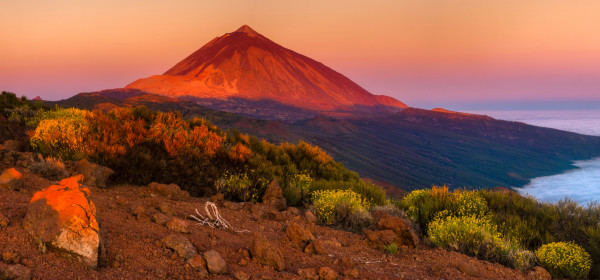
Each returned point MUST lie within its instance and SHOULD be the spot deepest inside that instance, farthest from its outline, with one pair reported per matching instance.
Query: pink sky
(425, 53)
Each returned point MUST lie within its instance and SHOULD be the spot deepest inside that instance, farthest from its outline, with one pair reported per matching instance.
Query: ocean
(581, 184)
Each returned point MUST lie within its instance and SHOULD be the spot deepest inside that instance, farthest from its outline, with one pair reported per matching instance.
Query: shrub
(478, 237)
(564, 259)
(423, 206)
(63, 135)
(296, 191)
(326, 202)
(51, 168)
(392, 248)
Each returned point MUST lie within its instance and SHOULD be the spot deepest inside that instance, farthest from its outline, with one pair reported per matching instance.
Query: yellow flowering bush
(478, 236)
(564, 259)
(61, 134)
(326, 202)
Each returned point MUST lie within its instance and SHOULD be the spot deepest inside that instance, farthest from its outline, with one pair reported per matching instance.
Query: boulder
(12, 145)
(310, 217)
(215, 263)
(3, 221)
(405, 235)
(326, 273)
(273, 196)
(171, 191)
(11, 179)
(64, 218)
(469, 269)
(14, 272)
(181, 245)
(178, 225)
(308, 273)
(94, 175)
(380, 238)
(317, 247)
(265, 253)
(539, 273)
(298, 235)
(197, 262)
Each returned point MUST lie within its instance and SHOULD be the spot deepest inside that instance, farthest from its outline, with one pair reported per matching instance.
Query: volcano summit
(246, 65)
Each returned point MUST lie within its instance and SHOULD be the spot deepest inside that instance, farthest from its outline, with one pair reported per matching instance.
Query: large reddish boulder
(11, 179)
(298, 235)
(273, 196)
(94, 175)
(405, 235)
(64, 218)
(265, 253)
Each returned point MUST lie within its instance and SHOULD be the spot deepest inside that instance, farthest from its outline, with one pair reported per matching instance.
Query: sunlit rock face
(245, 64)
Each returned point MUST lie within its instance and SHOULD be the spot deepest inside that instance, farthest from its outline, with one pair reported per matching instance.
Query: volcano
(246, 65)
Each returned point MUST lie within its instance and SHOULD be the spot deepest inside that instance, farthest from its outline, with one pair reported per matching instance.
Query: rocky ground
(147, 233)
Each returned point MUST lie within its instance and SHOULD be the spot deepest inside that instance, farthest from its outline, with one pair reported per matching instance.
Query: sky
(459, 54)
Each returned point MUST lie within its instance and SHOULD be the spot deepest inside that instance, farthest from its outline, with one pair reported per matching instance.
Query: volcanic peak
(247, 29)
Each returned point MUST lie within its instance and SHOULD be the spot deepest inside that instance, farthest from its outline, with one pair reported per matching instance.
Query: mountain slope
(411, 149)
(244, 64)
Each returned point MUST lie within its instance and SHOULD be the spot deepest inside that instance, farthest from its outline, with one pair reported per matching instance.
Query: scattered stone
(310, 217)
(10, 257)
(181, 245)
(3, 221)
(94, 175)
(11, 179)
(256, 211)
(197, 262)
(273, 196)
(244, 261)
(240, 275)
(380, 238)
(298, 236)
(215, 263)
(308, 273)
(468, 269)
(140, 214)
(539, 273)
(275, 215)
(166, 209)
(232, 205)
(404, 233)
(12, 145)
(326, 273)
(265, 253)
(160, 218)
(14, 272)
(178, 225)
(294, 211)
(64, 218)
(217, 199)
(351, 273)
(171, 191)
(317, 246)
(28, 263)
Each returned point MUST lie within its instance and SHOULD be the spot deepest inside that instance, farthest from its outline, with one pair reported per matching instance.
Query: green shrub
(392, 248)
(296, 191)
(478, 236)
(564, 259)
(373, 194)
(423, 206)
(327, 202)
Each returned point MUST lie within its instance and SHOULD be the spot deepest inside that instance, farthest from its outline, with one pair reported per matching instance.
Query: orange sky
(426, 53)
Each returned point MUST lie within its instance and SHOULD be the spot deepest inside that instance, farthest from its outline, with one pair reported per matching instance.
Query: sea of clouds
(582, 184)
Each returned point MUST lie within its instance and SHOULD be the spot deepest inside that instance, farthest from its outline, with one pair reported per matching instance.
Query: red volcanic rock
(64, 218)
(245, 64)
